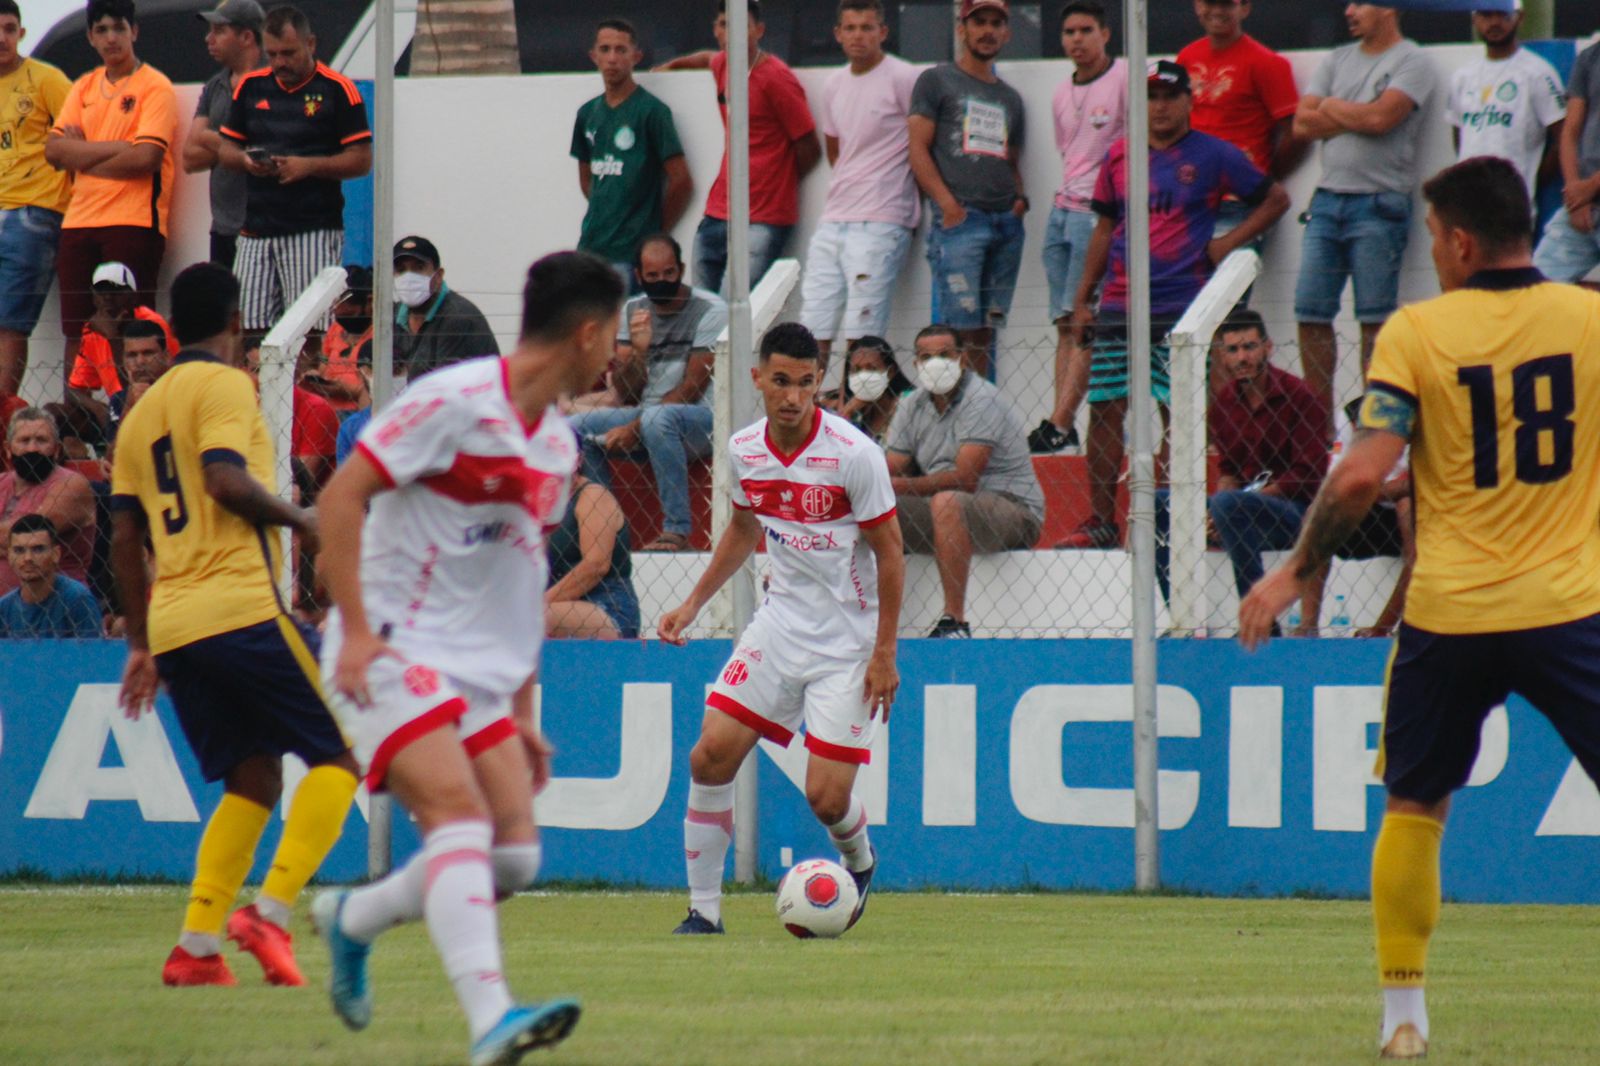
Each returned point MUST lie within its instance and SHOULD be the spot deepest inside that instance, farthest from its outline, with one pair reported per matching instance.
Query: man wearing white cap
(1509, 103)
(98, 367)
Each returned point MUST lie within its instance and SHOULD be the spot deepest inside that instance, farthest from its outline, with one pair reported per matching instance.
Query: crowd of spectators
(87, 186)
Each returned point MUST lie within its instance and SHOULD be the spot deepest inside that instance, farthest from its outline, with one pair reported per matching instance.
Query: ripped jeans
(851, 270)
(974, 267)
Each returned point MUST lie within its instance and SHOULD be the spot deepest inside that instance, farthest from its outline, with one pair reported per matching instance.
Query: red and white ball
(816, 899)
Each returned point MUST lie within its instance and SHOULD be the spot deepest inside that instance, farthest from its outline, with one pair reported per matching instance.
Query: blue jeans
(711, 252)
(1247, 524)
(1360, 236)
(673, 434)
(1564, 254)
(28, 240)
(1066, 247)
(975, 267)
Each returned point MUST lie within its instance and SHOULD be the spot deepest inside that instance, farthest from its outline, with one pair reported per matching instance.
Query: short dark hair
(141, 327)
(357, 281)
(874, 6)
(789, 339)
(1093, 8)
(1486, 197)
(566, 289)
(658, 238)
(117, 9)
(204, 296)
(938, 329)
(33, 523)
(753, 6)
(9, 7)
(620, 25)
(1242, 319)
(286, 16)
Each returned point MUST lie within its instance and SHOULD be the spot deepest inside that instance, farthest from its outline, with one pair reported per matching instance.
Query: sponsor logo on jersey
(803, 542)
(746, 438)
(420, 681)
(822, 462)
(856, 731)
(494, 425)
(406, 419)
(736, 674)
(753, 654)
(756, 498)
(753, 460)
(609, 167)
(836, 435)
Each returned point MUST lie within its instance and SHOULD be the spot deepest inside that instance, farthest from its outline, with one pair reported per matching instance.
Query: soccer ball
(816, 899)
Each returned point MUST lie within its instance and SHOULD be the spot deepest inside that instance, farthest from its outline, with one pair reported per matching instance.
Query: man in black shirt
(434, 326)
(297, 129)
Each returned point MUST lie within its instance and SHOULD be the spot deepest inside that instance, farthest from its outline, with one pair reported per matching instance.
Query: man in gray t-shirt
(962, 475)
(1366, 104)
(1570, 247)
(966, 137)
(233, 38)
(660, 386)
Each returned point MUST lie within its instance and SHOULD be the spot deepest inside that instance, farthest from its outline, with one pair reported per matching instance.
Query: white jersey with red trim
(822, 578)
(453, 557)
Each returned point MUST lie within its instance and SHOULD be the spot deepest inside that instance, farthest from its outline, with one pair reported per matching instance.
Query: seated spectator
(962, 476)
(313, 433)
(37, 483)
(1267, 430)
(351, 427)
(1388, 529)
(144, 358)
(872, 387)
(101, 365)
(345, 345)
(45, 602)
(591, 573)
(434, 326)
(663, 382)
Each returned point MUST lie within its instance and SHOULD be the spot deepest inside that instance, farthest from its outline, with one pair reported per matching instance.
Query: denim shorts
(850, 273)
(1360, 236)
(1564, 254)
(975, 267)
(28, 239)
(1066, 246)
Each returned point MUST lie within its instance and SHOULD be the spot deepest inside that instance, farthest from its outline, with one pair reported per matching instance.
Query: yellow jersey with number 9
(1497, 386)
(214, 570)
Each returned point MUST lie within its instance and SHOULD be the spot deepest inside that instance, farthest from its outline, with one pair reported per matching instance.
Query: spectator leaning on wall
(1508, 103)
(33, 194)
(233, 39)
(45, 603)
(630, 163)
(1570, 248)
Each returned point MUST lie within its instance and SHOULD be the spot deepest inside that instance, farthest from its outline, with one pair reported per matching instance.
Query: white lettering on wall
(1255, 757)
(632, 797)
(950, 755)
(1574, 810)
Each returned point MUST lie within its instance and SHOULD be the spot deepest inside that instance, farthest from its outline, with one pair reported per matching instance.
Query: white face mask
(413, 289)
(868, 385)
(939, 375)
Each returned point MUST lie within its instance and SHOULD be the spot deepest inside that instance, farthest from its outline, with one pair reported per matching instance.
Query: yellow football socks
(226, 850)
(1405, 896)
(315, 820)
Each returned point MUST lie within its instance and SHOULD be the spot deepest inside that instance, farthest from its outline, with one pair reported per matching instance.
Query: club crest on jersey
(816, 501)
(822, 462)
(313, 104)
(1187, 174)
(420, 681)
(736, 674)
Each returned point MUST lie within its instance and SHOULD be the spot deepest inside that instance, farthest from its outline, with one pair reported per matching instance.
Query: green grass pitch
(926, 979)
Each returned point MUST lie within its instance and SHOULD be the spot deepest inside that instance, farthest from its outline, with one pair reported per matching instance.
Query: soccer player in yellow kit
(1496, 386)
(192, 459)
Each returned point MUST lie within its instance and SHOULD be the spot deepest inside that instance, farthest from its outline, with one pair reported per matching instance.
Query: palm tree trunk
(465, 37)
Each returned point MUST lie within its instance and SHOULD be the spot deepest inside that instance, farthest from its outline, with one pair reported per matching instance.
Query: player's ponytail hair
(1486, 197)
(566, 289)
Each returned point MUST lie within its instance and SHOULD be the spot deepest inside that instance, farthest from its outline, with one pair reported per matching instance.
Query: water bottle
(1341, 614)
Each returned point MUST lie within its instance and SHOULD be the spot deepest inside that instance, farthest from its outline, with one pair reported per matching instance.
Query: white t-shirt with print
(1504, 107)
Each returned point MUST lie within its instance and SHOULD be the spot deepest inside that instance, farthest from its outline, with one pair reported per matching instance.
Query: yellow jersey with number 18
(1501, 380)
(214, 570)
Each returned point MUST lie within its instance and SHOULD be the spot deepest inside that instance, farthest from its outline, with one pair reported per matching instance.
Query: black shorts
(1442, 686)
(251, 691)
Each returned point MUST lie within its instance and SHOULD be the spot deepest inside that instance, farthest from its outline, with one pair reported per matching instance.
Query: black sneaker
(698, 924)
(1049, 439)
(949, 627)
(863, 879)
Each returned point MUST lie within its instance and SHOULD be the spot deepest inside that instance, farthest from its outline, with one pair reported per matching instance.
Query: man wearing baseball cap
(966, 137)
(99, 363)
(434, 326)
(233, 39)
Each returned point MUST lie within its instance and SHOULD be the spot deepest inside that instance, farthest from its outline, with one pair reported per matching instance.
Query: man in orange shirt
(115, 134)
(99, 366)
(346, 347)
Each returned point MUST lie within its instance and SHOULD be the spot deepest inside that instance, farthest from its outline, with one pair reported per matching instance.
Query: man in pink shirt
(1090, 111)
(783, 149)
(858, 250)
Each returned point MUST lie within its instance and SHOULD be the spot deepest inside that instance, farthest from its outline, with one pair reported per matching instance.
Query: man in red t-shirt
(783, 149)
(1244, 93)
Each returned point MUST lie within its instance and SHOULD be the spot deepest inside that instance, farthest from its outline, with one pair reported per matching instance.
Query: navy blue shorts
(1442, 686)
(251, 691)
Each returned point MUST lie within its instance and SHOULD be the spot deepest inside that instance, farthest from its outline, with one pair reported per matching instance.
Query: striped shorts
(1108, 362)
(273, 271)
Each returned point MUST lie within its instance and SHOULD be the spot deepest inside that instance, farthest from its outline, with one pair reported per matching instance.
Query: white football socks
(1402, 1005)
(395, 900)
(707, 832)
(458, 905)
(850, 837)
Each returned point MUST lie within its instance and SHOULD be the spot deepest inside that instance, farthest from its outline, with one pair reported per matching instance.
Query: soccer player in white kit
(820, 651)
(434, 553)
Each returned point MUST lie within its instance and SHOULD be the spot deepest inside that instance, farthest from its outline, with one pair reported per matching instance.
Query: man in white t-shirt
(434, 554)
(860, 246)
(1090, 110)
(820, 651)
(1509, 103)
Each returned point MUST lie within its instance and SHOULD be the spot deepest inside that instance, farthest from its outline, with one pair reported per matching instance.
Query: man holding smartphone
(297, 129)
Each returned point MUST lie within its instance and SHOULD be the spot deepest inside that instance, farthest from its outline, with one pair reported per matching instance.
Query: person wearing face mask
(346, 345)
(873, 385)
(662, 383)
(962, 475)
(434, 326)
(37, 483)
